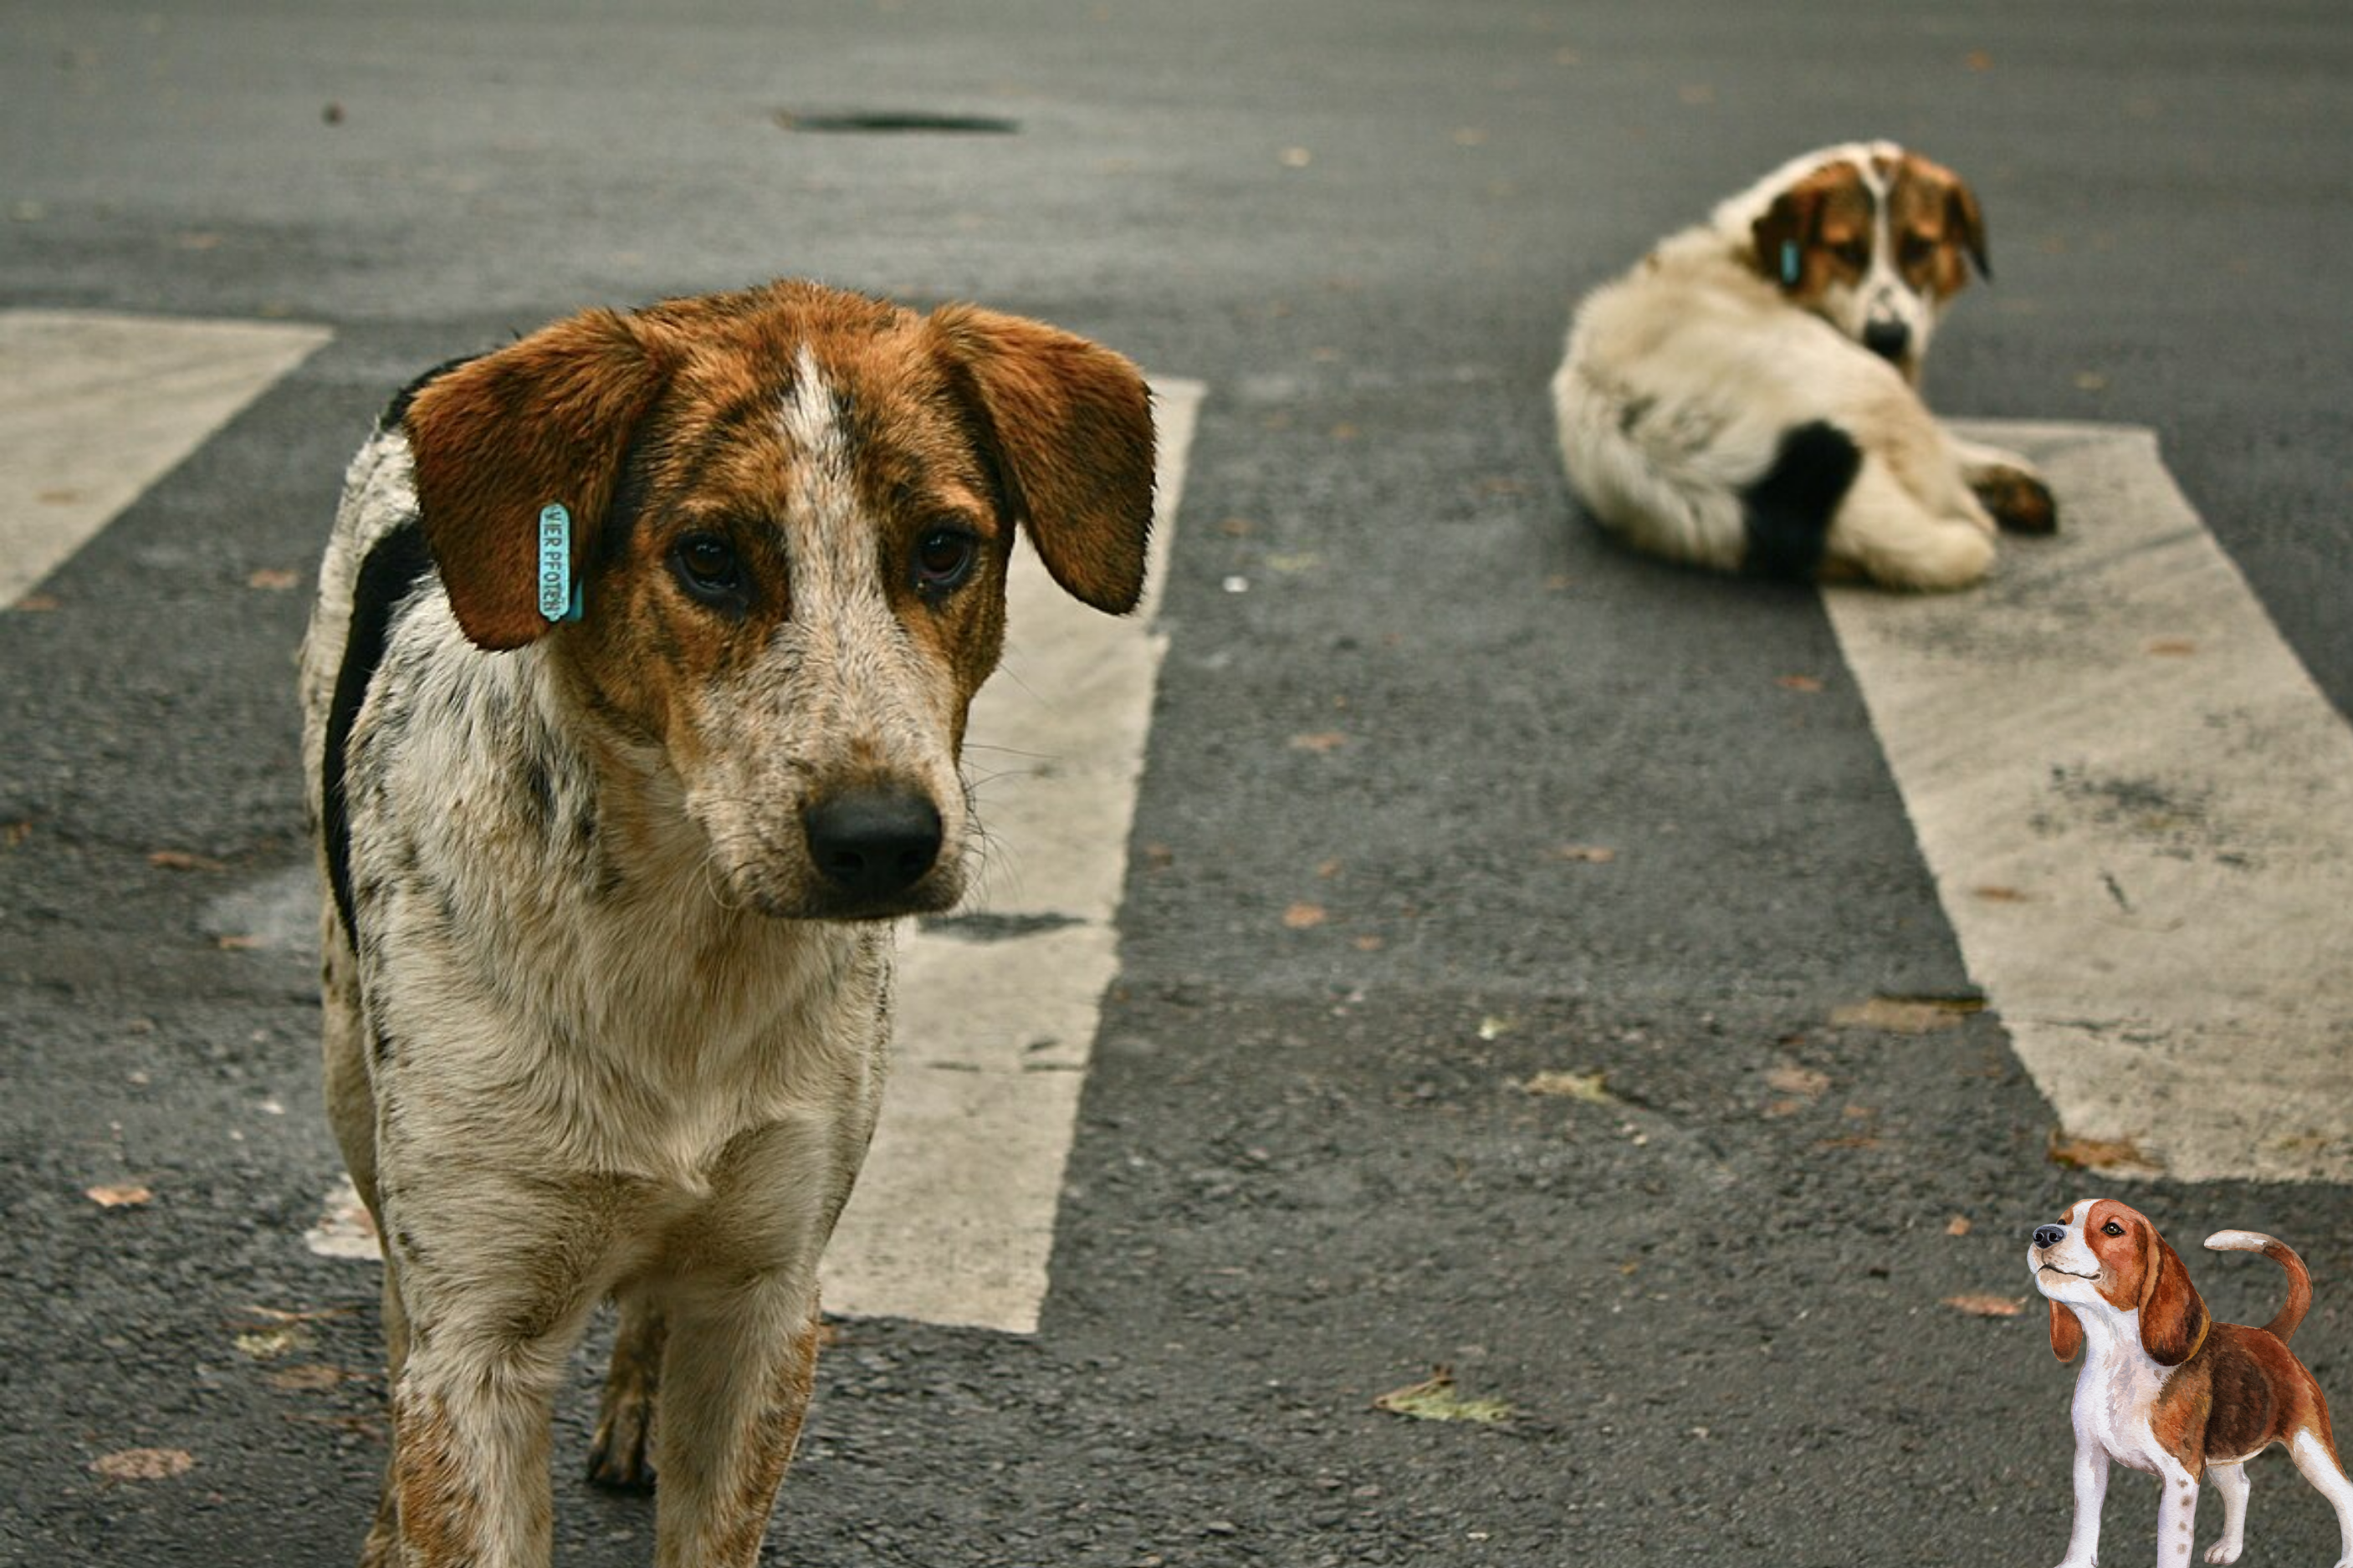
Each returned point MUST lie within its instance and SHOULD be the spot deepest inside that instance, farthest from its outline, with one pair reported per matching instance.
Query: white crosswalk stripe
(95, 407)
(2139, 811)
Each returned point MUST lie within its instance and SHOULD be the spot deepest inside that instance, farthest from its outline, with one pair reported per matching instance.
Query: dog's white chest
(2114, 1393)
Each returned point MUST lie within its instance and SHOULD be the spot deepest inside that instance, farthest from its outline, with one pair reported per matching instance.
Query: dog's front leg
(741, 1351)
(2008, 487)
(2091, 1477)
(736, 1379)
(495, 1293)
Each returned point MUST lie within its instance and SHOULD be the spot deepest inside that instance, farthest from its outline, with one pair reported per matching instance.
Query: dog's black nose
(2049, 1234)
(1888, 340)
(873, 843)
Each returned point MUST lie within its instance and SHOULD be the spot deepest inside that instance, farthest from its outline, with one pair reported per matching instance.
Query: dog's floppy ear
(2066, 1331)
(1069, 423)
(1967, 220)
(543, 420)
(2172, 1315)
(1784, 235)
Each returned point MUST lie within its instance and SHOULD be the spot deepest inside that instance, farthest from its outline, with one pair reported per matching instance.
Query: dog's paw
(2222, 1551)
(621, 1454)
(2019, 501)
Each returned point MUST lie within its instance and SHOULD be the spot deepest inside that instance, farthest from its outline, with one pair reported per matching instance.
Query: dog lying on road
(1746, 397)
(2166, 1389)
(633, 699)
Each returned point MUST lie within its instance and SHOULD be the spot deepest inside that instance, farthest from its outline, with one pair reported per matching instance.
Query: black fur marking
(539, 795)
(1787, 508)
(394, 568)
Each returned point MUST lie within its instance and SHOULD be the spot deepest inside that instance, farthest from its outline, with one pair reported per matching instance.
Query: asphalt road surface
(1502, 915)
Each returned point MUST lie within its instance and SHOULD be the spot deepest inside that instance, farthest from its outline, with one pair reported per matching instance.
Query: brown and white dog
(607, 959)
(2166, 1389)
(1746, 399)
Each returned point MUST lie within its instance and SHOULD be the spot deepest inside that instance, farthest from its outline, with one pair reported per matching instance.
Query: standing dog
(2166, 1389)
(1746, 397)
(633, 699)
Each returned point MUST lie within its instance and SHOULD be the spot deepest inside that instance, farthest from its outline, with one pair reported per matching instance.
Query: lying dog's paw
(2019, 501)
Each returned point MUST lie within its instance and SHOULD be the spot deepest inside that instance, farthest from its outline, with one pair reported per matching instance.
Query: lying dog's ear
(1967, 221)
(2066, 1331)
(2172, 1315)
(1069, 425)
(1784, 237)
(544, 420)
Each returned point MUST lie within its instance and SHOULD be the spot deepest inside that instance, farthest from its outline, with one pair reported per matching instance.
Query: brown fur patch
(1073, 425)
(2066, 1331)
(496, 438)
(439, 1516)
(2243, 1392)
(1936, 226)
(1828, 216)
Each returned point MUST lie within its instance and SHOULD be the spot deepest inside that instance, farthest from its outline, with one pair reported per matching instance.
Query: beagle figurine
(2164, 1388)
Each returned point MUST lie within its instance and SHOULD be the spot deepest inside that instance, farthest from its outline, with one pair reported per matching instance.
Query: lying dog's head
(1870, 237)
(793, 511)
(2107, 1259)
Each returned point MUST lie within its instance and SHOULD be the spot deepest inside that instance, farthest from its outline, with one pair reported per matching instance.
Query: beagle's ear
(2172, 1315)
(2066, 1331)
(1068, 425)
(495, 439)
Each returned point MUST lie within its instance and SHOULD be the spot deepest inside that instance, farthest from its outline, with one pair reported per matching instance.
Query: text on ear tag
(559, 596)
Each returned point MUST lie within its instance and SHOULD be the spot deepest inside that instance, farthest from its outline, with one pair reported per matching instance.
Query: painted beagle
(633, 699)
(1746, 398)
(2166, 1389)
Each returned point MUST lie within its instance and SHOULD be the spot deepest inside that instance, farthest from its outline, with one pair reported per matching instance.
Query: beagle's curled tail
(2299, 1282)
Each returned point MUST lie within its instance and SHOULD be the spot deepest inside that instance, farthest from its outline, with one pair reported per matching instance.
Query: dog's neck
(2110, 1338)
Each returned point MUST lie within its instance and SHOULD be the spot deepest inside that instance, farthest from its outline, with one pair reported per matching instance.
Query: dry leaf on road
(1434, 1399)
(143, 1464)
(119, 1194)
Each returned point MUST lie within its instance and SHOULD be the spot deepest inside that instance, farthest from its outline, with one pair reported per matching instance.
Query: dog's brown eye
(707, 568)
(1855, 253)
(2112, 1229)
(944, 557)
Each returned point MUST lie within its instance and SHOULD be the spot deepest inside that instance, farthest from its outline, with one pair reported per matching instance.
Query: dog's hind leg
(351, 1112)
(2231, 1480)
(1884, 532)
(2316, 1456)
(621, 1456)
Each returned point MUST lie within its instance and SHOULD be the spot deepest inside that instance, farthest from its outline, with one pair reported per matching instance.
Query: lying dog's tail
(1787, 509)
(2299, 1282)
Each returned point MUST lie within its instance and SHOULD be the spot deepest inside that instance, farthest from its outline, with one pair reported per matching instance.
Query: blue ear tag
(1792, 264)
(559, 596)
